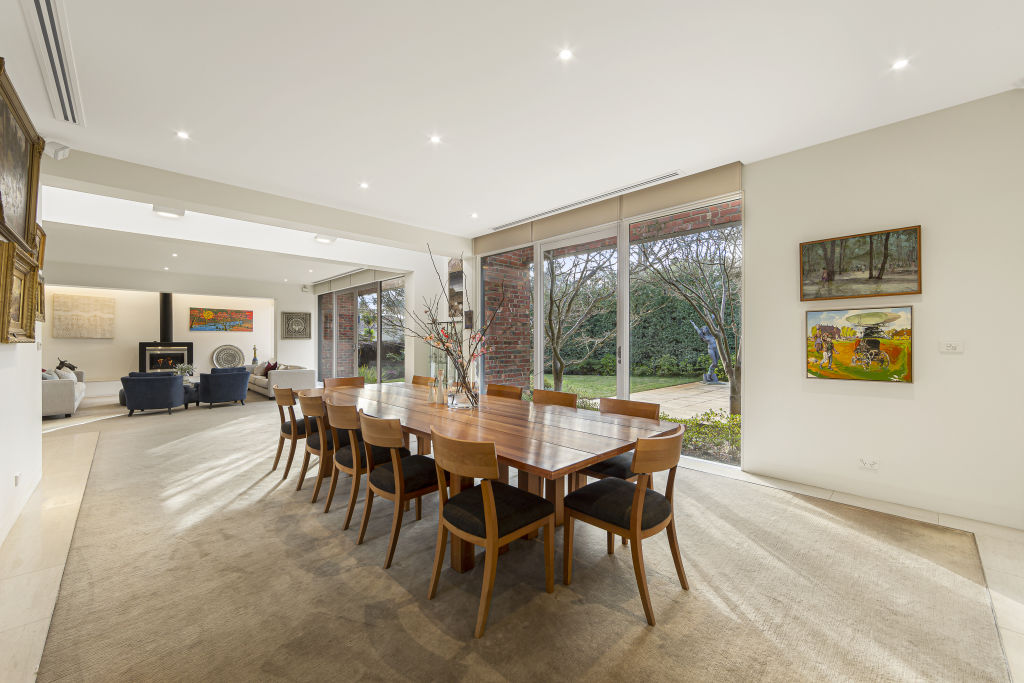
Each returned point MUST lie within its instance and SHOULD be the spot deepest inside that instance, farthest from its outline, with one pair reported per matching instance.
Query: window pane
(685, 324)
(507, 281)
(392, 351)
(366, 332)
(345, 344)
(580, 304)
(325, 339)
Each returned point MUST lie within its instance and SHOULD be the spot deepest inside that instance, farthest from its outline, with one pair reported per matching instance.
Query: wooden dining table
(545, 443)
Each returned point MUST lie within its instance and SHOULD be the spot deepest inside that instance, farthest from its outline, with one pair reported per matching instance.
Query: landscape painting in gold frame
(21, 149)
(22, 285)
(881, 263)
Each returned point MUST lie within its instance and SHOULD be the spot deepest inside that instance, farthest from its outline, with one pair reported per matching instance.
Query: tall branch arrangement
(444, 336)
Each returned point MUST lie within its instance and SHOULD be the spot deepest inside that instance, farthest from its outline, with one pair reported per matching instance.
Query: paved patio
(686, 400)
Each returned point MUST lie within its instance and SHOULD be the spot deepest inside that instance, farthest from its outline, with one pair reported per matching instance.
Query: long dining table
(543, 442)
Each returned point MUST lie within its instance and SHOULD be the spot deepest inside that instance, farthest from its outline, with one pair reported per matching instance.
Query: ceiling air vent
(48, 27)
(590, 200)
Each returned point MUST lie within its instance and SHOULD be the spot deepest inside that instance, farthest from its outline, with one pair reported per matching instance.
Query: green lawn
(595, 386)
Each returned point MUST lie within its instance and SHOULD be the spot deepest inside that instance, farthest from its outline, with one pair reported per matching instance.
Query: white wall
(950, 441)
(192, 290)
(21, 451)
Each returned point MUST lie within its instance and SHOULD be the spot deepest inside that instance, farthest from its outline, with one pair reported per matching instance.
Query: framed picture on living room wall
(881, 263)
(21, 148)
(19, 278)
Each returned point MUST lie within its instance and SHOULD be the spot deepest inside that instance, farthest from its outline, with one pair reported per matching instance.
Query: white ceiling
(307, 100)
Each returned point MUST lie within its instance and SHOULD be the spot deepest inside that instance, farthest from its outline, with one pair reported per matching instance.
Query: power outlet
(871, 465)
(17, 480)
(951, 346)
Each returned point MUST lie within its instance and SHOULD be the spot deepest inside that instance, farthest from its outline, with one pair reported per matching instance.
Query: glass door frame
(620, 230)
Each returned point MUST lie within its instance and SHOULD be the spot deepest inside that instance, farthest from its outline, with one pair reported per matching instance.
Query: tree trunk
(734, 391)
(885, 257)
(557, 369)
(871, 256)
(828, 250)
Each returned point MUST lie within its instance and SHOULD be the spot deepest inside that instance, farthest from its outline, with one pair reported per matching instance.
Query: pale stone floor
(686, 400)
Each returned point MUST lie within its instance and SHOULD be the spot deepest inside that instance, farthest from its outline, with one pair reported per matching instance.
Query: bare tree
(703, 269)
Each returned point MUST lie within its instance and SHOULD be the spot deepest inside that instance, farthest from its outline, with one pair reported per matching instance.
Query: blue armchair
(223, 385)
(145, 391)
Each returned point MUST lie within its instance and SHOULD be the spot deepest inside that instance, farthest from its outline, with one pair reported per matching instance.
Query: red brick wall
(510, 337)
(336, 310)
(693, 219)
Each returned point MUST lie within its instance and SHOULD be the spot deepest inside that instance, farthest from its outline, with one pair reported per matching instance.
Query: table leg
(555, 492)
(530, 482)
(462, 552)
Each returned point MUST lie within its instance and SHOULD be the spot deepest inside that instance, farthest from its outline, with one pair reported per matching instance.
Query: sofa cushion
(49, 374)
(259, 381)
(64, 373)
(260, 370)
(270, 367)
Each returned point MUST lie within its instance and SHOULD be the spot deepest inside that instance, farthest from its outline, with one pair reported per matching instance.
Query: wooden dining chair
(337, 382)
(320, 442)
(491, 515)
(505, 391)
(422, 381)
(554, 398)
(619, 466)
(343, 421)
(406, 477)
(631, 510)
(291, 429)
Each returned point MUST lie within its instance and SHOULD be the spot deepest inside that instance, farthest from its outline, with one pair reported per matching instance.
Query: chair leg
(330, 491)
(396, 528)
(366, 515)
(673, 543)
(352, 495)
(567, 534)
(641, 578)
(319, 479)
(291, 454)
(611, 543)
(490, 570)
(305, 468)
(280, 449)
(442, 544)
(549, 555)
(419, 508)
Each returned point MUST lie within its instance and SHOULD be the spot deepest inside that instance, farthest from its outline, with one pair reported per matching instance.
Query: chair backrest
(341, 416)
(658, 453)
(312, 406)
(335, 382)
(505, 391)
(423, 381)
(554, 398)
(381, 432)
(620, 406)
(475, 459)
(285, 398)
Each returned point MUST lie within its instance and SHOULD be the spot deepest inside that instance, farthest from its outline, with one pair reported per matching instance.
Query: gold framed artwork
(21, 149)
(41, 299)
(18, 298)
(881, 263)
(37, 242)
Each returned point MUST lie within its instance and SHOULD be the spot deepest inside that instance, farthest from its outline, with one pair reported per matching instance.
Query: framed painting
(296, 325)
(83, 317)
(882, 263)
(41, 299)
(874, 344)
(37, 243)
(19, 277)
(20, 151)
(219, 320)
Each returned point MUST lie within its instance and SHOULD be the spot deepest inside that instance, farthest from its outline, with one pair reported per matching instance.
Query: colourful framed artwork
(219, 320)
(874, 344)
(883, 263)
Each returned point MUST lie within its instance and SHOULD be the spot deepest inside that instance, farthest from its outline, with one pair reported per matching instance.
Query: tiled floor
(686, 400)
(32, 558)
(33, 555)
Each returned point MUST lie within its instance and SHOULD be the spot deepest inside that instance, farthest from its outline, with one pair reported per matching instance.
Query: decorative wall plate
(228, 356)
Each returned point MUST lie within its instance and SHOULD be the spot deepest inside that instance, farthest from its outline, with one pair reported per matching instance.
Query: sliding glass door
(362, 333)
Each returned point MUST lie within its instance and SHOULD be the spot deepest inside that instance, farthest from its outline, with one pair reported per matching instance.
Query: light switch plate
(951, 346)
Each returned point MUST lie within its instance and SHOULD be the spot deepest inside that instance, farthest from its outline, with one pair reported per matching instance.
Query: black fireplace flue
(165, 353)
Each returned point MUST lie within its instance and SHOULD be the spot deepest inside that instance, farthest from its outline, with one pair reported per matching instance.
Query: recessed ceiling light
(166, 268)
(565, 55)
(364, 185)
(311, 270)
(473, 215)
(900, 64)
(435, 139)
(286, 279)
(325, 239)
(174, 255)
(168, 211)
(182, 135)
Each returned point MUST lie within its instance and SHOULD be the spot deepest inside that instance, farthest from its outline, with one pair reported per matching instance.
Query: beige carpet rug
(192, 562)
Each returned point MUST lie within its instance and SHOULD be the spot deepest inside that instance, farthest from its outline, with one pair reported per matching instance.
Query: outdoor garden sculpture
(705, 334)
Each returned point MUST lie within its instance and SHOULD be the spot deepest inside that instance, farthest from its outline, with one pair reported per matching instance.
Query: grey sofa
(286, 376)
(63, 396)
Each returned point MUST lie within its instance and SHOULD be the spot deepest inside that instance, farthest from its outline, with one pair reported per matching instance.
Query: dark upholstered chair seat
(618, 466)
(343, 456)
(300, 425)
(610, 500)
(418, 471)
(514, 508)
(313, 441)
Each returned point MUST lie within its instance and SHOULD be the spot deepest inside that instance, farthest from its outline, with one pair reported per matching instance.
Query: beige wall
(137, 318)
(948, 442)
